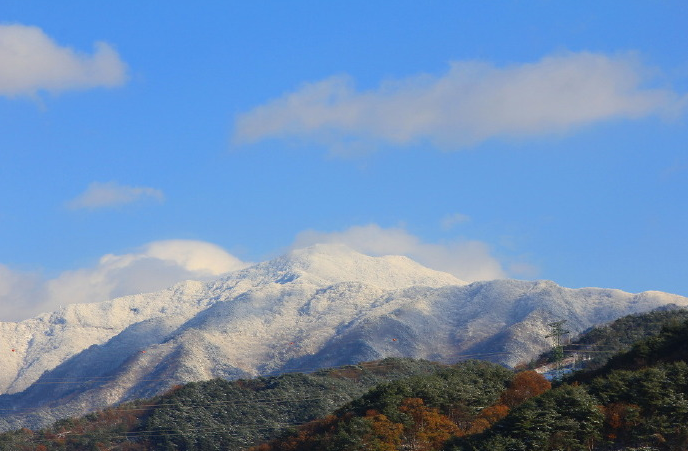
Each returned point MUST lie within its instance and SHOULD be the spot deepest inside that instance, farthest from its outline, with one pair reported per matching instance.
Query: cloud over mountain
(472, 102)
(155, 266)
(321, 306)
(469, 260)
(31, 61)
(161, 264)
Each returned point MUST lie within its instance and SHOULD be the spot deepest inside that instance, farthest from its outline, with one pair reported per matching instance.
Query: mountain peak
(324, 305)
(328, 264)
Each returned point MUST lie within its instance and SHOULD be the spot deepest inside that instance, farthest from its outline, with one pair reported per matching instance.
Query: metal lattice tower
(557, 331)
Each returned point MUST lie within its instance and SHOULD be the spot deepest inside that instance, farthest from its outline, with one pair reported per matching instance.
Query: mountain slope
(316, 307)
(39, 344)
(219, 414)
(637, 402)
(601, 342)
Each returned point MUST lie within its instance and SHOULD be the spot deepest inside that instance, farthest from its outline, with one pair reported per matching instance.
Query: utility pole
(557, 331)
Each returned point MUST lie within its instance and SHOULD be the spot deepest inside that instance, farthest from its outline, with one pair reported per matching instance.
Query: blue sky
(142, 143)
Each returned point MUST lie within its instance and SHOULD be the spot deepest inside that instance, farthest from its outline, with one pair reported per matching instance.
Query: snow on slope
(41, 343)
(320, 306)
(44, 342)
(328, 264)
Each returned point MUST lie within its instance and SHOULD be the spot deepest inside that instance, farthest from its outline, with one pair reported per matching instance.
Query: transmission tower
(557, 331)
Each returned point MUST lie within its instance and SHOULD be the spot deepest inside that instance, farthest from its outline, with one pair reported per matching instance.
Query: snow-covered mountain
(321, 306)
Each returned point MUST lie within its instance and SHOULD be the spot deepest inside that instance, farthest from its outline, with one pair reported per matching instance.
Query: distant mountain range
(317, 307)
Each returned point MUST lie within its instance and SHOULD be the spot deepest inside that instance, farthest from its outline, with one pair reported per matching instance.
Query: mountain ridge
(311, 308)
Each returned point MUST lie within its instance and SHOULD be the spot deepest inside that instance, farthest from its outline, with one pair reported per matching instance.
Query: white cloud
(111, 194)
(31, 61)
(472, 102)
(155, 266)
(20, 292)
(161, 264)
(448, 222)
(468, 260)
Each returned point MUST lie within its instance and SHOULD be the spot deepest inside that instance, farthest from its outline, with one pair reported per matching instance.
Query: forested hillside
(602, 342)
(312, 308)
(415, 413)
(233, 415)
(639, 400)
(217, 414)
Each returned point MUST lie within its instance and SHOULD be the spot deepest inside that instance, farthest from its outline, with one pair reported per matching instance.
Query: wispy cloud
(161, 264)
(450, 221)
(112, 194)
(472, 102)
(155, 266)
(31, 61)
(469, 260)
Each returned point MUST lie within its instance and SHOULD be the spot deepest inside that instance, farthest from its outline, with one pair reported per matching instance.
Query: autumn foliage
(429, 429)
(385, 435)
(620, 419)
(524, 386)
(411, 423)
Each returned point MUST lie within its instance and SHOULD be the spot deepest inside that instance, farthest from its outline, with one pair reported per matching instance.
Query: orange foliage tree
(487, 417)
(303, 439)
(524, 386)
(386, 435)
(429, 429)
